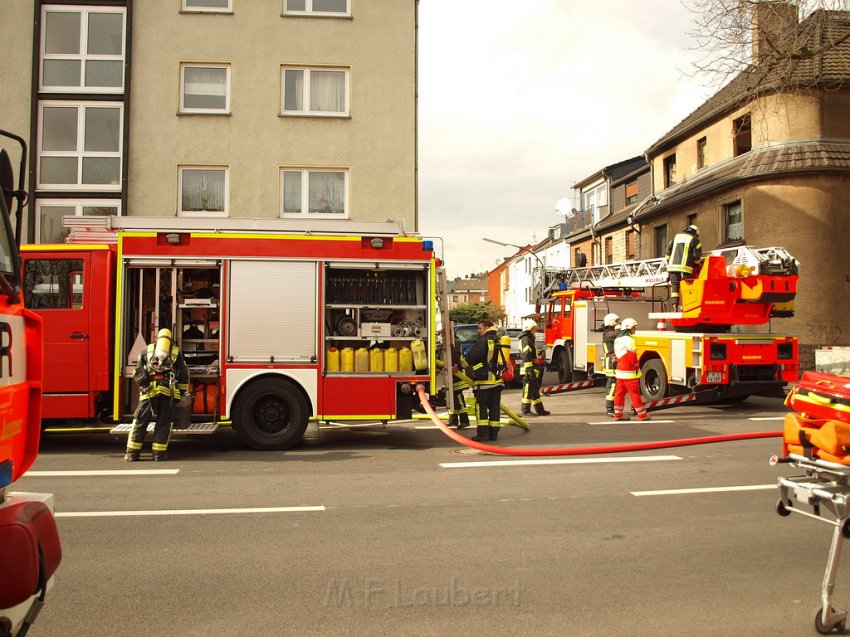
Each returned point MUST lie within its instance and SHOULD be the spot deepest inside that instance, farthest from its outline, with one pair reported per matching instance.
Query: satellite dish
(564, 207)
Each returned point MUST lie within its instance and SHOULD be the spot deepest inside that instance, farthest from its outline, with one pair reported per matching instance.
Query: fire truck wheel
(653, 380)
(565, 366)
(270, 415)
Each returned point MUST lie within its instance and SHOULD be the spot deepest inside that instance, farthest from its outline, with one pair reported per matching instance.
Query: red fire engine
(29, 543)
(699, 348)
(283, 326)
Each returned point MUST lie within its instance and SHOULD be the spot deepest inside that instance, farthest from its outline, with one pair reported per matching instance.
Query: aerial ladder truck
(718, 345)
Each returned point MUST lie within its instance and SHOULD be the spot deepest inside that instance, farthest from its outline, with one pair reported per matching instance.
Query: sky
(521, 99)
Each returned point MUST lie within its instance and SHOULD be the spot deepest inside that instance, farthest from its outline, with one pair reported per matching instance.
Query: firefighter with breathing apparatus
(162, 377)
(530, 370)
(611, 325)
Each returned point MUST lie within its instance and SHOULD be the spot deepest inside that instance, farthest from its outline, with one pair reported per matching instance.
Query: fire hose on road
(580, 451)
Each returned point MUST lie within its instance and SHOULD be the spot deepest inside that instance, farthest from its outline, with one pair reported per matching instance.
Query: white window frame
(187, 9)
(203, 213)
(308, 10)
(78, 205)
(305, 193)
(205, 111)
(82, 56)
(305, 112)
(80, 153)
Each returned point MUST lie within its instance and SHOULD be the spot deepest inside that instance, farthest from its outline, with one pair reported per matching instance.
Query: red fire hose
(581, 451)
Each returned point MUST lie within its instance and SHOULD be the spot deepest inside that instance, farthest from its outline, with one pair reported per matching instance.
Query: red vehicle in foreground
(29, 543)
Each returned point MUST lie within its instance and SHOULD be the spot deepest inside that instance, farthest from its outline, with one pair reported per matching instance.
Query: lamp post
(538, 283)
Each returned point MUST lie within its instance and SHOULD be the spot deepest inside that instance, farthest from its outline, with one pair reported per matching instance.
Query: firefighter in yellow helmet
(162, 377)
(683, 256)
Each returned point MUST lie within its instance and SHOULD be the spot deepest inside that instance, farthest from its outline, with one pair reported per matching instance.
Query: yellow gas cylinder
(505, 342)
(391, 359)
(332, 359)
(420, 360)
(376, 360)
(405, 360)
(361, 360)
(348, 359)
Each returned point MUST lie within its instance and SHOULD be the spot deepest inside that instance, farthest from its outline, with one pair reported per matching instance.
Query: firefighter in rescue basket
(162, 377)
(683, 256)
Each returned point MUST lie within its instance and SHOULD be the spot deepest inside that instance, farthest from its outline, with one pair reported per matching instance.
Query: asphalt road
(404, 532)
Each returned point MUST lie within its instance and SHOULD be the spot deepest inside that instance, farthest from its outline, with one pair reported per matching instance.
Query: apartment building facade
(281, 109)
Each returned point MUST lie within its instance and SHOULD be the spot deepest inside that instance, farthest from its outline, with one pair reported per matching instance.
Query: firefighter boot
(464, 420)
(494, 432)
(453, 420)
(541, 410)
(132, 455)
(526, 412)
(159, 456)
(482, 433)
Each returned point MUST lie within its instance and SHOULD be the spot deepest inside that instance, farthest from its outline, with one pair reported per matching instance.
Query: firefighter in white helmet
(611, 328)
(627, 373)
(162, 376)
(530, 371)
(683, 255)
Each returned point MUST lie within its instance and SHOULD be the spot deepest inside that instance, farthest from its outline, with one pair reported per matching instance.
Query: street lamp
(536, 286)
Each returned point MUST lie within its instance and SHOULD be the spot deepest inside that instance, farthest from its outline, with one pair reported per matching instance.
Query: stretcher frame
(824, 492)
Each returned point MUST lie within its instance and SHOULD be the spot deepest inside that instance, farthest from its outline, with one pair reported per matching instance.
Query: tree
(474, 312)
(770, 46)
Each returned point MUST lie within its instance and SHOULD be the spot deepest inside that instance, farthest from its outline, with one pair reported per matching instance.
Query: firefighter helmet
(610, 320)
(629, 324)
(692, 229)
(528, 325)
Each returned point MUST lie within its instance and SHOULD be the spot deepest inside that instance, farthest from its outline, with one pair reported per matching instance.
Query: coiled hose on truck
(581, 451)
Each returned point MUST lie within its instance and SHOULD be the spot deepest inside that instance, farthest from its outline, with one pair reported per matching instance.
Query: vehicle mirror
(7, 178)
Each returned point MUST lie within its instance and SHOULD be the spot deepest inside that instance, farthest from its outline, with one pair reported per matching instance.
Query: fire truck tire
(565, 365)
(270, 415)
(653, 380)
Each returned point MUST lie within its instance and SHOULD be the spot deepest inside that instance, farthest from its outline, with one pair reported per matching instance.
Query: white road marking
(762, 418)
(107, 514)
(633, 420)
(104, 472)
(751, 487)
(522, 463)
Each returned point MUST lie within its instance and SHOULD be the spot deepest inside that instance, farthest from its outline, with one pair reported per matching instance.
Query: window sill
(315, 115)
(317, 15)
(202, 214)
(213, 113)
(206, 11)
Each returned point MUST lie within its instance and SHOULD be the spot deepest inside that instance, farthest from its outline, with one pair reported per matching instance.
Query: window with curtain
(204, 89)
(82, 49)
(318, 7)
(79, 145)
(314, 91)
(314, 192)
(203, 191)
(733, 216)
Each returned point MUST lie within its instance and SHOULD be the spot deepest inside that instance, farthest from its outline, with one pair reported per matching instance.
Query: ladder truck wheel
(270, 415)
(565, 365)
(653, 380)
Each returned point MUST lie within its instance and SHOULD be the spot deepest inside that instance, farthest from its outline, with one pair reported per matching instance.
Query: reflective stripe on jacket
(159, 381)
(683, 254)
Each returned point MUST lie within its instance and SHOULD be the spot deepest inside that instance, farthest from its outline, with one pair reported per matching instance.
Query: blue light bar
(428, 245)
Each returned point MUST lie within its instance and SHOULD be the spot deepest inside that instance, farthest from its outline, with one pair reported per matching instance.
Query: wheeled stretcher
(824, 494)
